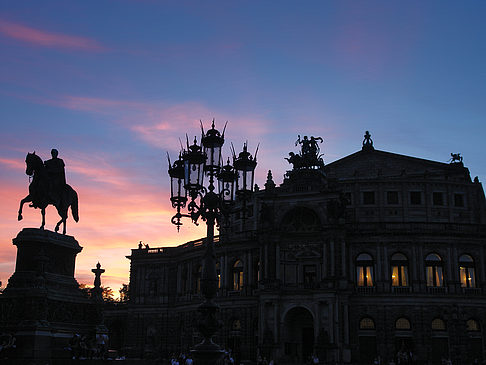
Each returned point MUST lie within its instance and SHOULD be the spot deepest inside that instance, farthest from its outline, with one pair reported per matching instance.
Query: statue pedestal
(42, 304)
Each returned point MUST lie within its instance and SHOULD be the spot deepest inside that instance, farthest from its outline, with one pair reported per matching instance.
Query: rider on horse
(49, 186)
(57, 176)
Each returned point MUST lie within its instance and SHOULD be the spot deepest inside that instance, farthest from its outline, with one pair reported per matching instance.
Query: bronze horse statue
(41, 193)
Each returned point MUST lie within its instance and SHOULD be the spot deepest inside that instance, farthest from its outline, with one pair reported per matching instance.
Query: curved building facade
(375, 254)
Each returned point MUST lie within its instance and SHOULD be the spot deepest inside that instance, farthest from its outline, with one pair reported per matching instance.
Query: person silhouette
(57, 176)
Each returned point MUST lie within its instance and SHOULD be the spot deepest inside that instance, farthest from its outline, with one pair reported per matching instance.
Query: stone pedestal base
(42, 305)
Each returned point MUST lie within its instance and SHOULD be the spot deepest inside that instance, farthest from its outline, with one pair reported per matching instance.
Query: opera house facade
(374, 254)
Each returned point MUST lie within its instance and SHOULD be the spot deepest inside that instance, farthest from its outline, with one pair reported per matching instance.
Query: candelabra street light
(210, 201)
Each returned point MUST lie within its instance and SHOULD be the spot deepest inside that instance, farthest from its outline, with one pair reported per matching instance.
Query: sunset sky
(113, 85)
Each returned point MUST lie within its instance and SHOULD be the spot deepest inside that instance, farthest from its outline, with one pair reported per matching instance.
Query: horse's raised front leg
(22, 202)
(43, 212)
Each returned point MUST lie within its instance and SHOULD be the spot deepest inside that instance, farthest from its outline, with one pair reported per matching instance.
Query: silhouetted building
(375, 254)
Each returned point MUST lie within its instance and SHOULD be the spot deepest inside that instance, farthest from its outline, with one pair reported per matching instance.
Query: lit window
(466, 271)
(238, 275)
(438, 325)
(218, 273)
(472, 325)
(402, 324)
(399, 270)
(434, 270)
(364, 270)
(366, 324)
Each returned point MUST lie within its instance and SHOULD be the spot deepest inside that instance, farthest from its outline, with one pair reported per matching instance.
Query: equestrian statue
(48, 187)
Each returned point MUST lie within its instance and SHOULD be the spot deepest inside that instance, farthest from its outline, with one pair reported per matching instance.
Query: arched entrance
(298, 334)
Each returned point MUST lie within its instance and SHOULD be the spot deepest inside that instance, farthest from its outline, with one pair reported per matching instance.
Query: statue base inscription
(42, 305)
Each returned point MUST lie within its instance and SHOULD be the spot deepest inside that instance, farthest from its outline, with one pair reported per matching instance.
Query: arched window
(399, 270)
(300, 219)
(438, 325)
(238, 275)
(434, 270)
(218, 273)
(472, 325)
(364, 270)
(467, 272)
(402, 324)
(366, 323)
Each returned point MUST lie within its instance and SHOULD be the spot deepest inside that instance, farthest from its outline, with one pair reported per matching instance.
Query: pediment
(376, 163)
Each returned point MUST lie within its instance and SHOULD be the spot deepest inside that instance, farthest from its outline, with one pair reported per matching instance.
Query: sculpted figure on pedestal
(48, 187)
(309, 156)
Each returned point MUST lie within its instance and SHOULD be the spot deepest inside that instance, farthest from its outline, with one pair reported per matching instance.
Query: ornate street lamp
(209, 202)
(245, 166)
(178, 195)
(226, 179)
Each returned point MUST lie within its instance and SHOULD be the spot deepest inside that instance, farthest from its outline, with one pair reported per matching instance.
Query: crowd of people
(186, 359)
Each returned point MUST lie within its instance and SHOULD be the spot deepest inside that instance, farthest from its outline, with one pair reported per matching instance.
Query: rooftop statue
(367, 141)
(309, 156)
(48, 187)
(455, 158)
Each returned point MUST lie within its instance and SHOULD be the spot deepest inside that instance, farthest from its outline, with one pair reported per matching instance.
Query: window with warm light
(472, 325)
(364, 270)
(238, 275)
(402, 324)
(218, 273)
(434, 270)
(467, 272)
(366, 324)
(399, 269)
(438, 325)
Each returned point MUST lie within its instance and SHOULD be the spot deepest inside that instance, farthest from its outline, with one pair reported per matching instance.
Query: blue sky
(113, 85)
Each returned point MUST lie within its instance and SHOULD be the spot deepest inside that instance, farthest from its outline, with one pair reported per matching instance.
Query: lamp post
(208, 201)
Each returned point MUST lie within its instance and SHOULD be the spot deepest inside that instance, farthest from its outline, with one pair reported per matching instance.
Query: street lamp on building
(210, 201)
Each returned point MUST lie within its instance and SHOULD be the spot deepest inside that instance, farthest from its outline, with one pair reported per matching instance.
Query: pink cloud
(12, 164)
(161, 125)
(47, 39)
